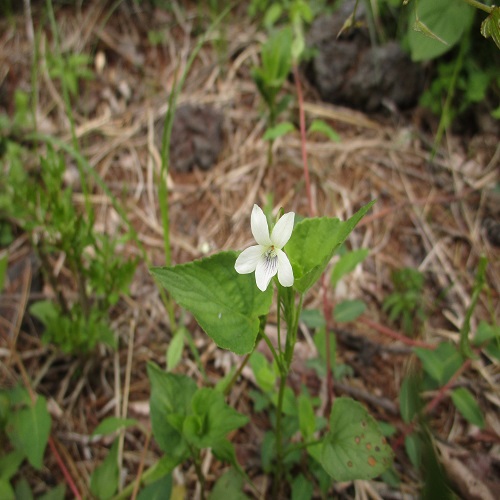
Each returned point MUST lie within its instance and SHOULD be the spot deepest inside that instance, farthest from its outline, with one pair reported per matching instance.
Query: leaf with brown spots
(354, 448)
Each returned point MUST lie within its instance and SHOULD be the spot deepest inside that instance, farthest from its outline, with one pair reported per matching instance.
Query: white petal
(248, 259)
(260, 230)
(265, 270)
(283, 230)
(285, 272)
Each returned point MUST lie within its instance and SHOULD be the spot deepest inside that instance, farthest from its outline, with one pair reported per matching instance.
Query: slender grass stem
(69, 112)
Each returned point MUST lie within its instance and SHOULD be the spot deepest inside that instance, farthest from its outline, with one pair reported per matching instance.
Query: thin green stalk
(279, 436)
(167, 132)
(449, 98)
(479, 5)
(69, 112)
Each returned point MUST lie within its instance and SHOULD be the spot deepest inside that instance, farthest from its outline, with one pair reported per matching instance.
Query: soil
(435, 213)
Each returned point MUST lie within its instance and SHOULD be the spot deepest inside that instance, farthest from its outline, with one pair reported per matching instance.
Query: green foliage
(406, 303)
(41, 206)
(490, 27)
(441, 363)
(438, 27)
(104, 479)
(111, 425)
(186, 418)
(227, 305)
(467, 405)
(348, 310)
(175, 348)
(322, 127)
(26, 426)
(314, 242)
(347, 263)
(229, 485)
(354, 448)
(276, 62)
(488, 338)
(409, 398)
(71, 68)
(279, 130)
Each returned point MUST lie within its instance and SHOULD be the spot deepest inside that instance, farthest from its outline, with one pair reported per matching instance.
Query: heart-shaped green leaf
(438, 27)
(354, 448)
(313, 243)
(227, 305)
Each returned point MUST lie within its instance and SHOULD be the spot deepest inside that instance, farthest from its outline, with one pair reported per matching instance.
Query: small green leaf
(467, 406)
(23, 490)
(113, 424)
(10, 463)
(4, 259)
(263, 371)
(348, 310)
(227, 305)
(175, 348)
(272, 15)
(323, 128)
(170, 403)
(211, 419)
(354, 448)
(307, 419)
(409, 398)
(491, 26)
(485, 333)
(313, 243)
(230, 486)
(158, 490)
(347, 263)
(302, 488)
(279, 130)
(104, 479)
(313, 318)
(440, 363)
(413, 446)
(57, 493)
(28, 430)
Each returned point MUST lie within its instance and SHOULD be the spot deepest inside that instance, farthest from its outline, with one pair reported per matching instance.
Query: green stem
(445, 113)
(279, 437)
(479, 5)
(237, 373)
(300, 446)
(69, 113)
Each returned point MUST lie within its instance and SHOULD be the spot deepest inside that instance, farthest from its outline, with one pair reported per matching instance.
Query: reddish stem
(63, 468)
(396, 335)
(303, 139)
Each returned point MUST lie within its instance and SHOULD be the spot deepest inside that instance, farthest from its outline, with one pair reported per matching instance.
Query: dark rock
(350, 71)
(197, 138)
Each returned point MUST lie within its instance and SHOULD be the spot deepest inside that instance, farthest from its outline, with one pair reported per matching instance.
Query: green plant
(41, 206)
(406, 303)
(441, 367)
(232, 311)
(24, 433)
(70, 69)
(274, 70)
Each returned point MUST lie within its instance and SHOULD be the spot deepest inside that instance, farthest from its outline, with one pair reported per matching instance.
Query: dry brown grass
(429, 215)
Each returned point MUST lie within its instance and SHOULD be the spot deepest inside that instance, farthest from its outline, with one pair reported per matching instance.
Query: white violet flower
(267, 258)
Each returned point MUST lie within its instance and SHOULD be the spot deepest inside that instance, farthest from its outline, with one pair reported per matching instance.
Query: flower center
(270, 253)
